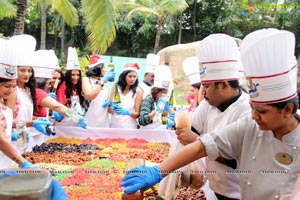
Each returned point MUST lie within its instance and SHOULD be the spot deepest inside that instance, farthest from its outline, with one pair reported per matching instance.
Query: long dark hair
(95, 71)
(69, 87)
(31, 84)
(122, 82)
(62, 76)
(154, 91)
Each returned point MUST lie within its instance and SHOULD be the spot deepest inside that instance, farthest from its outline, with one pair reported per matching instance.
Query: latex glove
(171, 121)
(114, 105)
(167, 106)
(106, 103)
(27, 164)
(141, 177)
(82, 122)
(58, 193)
(108, 76)
(52, 95)
(15, 136)
(40, 125)
(57, 116)
(122, 111)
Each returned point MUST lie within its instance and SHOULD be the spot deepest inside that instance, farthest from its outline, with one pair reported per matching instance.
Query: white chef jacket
(146, 89)
(261, 175)
(207, 118)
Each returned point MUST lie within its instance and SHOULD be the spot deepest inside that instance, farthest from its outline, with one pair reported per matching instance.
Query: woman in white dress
(126, 98)
(95, 90)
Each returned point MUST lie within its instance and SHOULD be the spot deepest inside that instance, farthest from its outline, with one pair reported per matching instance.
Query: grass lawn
(180, 96)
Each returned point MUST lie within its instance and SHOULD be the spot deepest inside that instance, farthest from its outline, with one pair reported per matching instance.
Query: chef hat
(162, 77)
(217, 54)
(152, 61)
(53, 59)
(24, 46)
(190, 67)
(131, 66)
(44, 64)
(72, 61)
(7, 70)
(271, 68)
(95, 59)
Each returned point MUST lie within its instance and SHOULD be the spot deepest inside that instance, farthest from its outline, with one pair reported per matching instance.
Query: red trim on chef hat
(95, 59)
(132, 66)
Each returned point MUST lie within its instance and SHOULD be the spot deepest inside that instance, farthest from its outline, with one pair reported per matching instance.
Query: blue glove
(167, 106)
(171, 121)
(82, 122)
(109, 75)
(52, 95)
(122, 111)
(40, 125)
(114, 105)
(106, 103)
(57, 116)
(15, 136)
(58, 193)
(141, 177)
(27, 164)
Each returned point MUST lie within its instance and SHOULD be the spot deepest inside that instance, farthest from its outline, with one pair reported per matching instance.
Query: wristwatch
(101, 82)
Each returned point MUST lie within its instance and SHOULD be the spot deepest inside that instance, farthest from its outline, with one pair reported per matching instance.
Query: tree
(159, 9)
(63, 7)
(7, 9)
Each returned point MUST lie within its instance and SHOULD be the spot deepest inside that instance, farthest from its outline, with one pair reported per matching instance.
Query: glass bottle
(111, 66)
(22, 138)
(117, 98)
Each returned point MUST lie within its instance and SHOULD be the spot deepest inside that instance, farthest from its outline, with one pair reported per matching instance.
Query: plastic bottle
(111, 66)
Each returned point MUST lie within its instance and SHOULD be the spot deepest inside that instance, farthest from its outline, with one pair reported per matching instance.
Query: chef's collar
(147, 83)
(225, 105)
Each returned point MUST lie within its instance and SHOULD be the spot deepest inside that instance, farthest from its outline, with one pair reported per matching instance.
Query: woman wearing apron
(125, 108)
(151, 111)
(95, 90)
(70, 92)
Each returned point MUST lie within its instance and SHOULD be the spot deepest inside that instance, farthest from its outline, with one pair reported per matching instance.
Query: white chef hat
(271, 68)
(95, 59)
(217, 54)
(152, 61)
(44, 64)
(24, 46)
(190, 67)
(53, 59)
(7, 70)
(131, 66)
(162, 77)
(72, 60)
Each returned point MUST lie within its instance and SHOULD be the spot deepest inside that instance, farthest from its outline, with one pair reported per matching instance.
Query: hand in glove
(27, 164)
(82, 122)
(52, 95)
(141, 177)
(106, 103)
(122, 111)
(57, 116)
(171, 120)
(114, 105)
(58, 193)
(108, 76)
(15, 136)
(40, 125)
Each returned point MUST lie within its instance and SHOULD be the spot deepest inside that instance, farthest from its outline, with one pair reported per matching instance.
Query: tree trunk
(43, 23)
(157, 37)
(62, 50)
(194, 20)
(20, 17)
(180, 32)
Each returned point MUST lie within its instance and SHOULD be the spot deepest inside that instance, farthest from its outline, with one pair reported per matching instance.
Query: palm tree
(101, 23)
(63, 7)
(20, 17)
(7, 9)
(159, 9)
